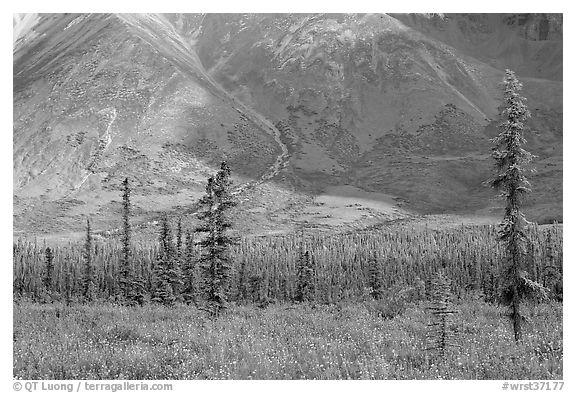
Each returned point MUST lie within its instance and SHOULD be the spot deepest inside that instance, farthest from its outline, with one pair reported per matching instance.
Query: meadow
(343, 341)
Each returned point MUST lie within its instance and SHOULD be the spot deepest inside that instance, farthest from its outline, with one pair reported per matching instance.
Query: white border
(229, 6)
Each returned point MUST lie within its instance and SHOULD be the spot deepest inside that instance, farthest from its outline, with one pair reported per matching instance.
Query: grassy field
(344, 341)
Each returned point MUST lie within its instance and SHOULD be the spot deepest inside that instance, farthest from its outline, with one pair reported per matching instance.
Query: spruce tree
(305, 279)
(124, 271)
(510, 180)
(440, 334)
(88, 288)
(131, 283)
(49, 258)
(215, 262)
(242, 292)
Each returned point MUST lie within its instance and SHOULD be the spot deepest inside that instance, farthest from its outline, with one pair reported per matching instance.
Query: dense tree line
(331, 268)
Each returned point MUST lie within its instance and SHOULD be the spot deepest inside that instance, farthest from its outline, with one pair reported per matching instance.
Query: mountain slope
(94, 104)
(315, 113)
(378, 102)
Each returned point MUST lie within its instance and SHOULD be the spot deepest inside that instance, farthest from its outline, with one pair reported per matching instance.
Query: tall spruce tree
(215, 262)
(510, 180)
(131, 283)
(88, 282)
(124, 279)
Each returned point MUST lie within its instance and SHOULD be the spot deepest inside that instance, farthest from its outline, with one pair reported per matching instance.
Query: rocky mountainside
(327, 120)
